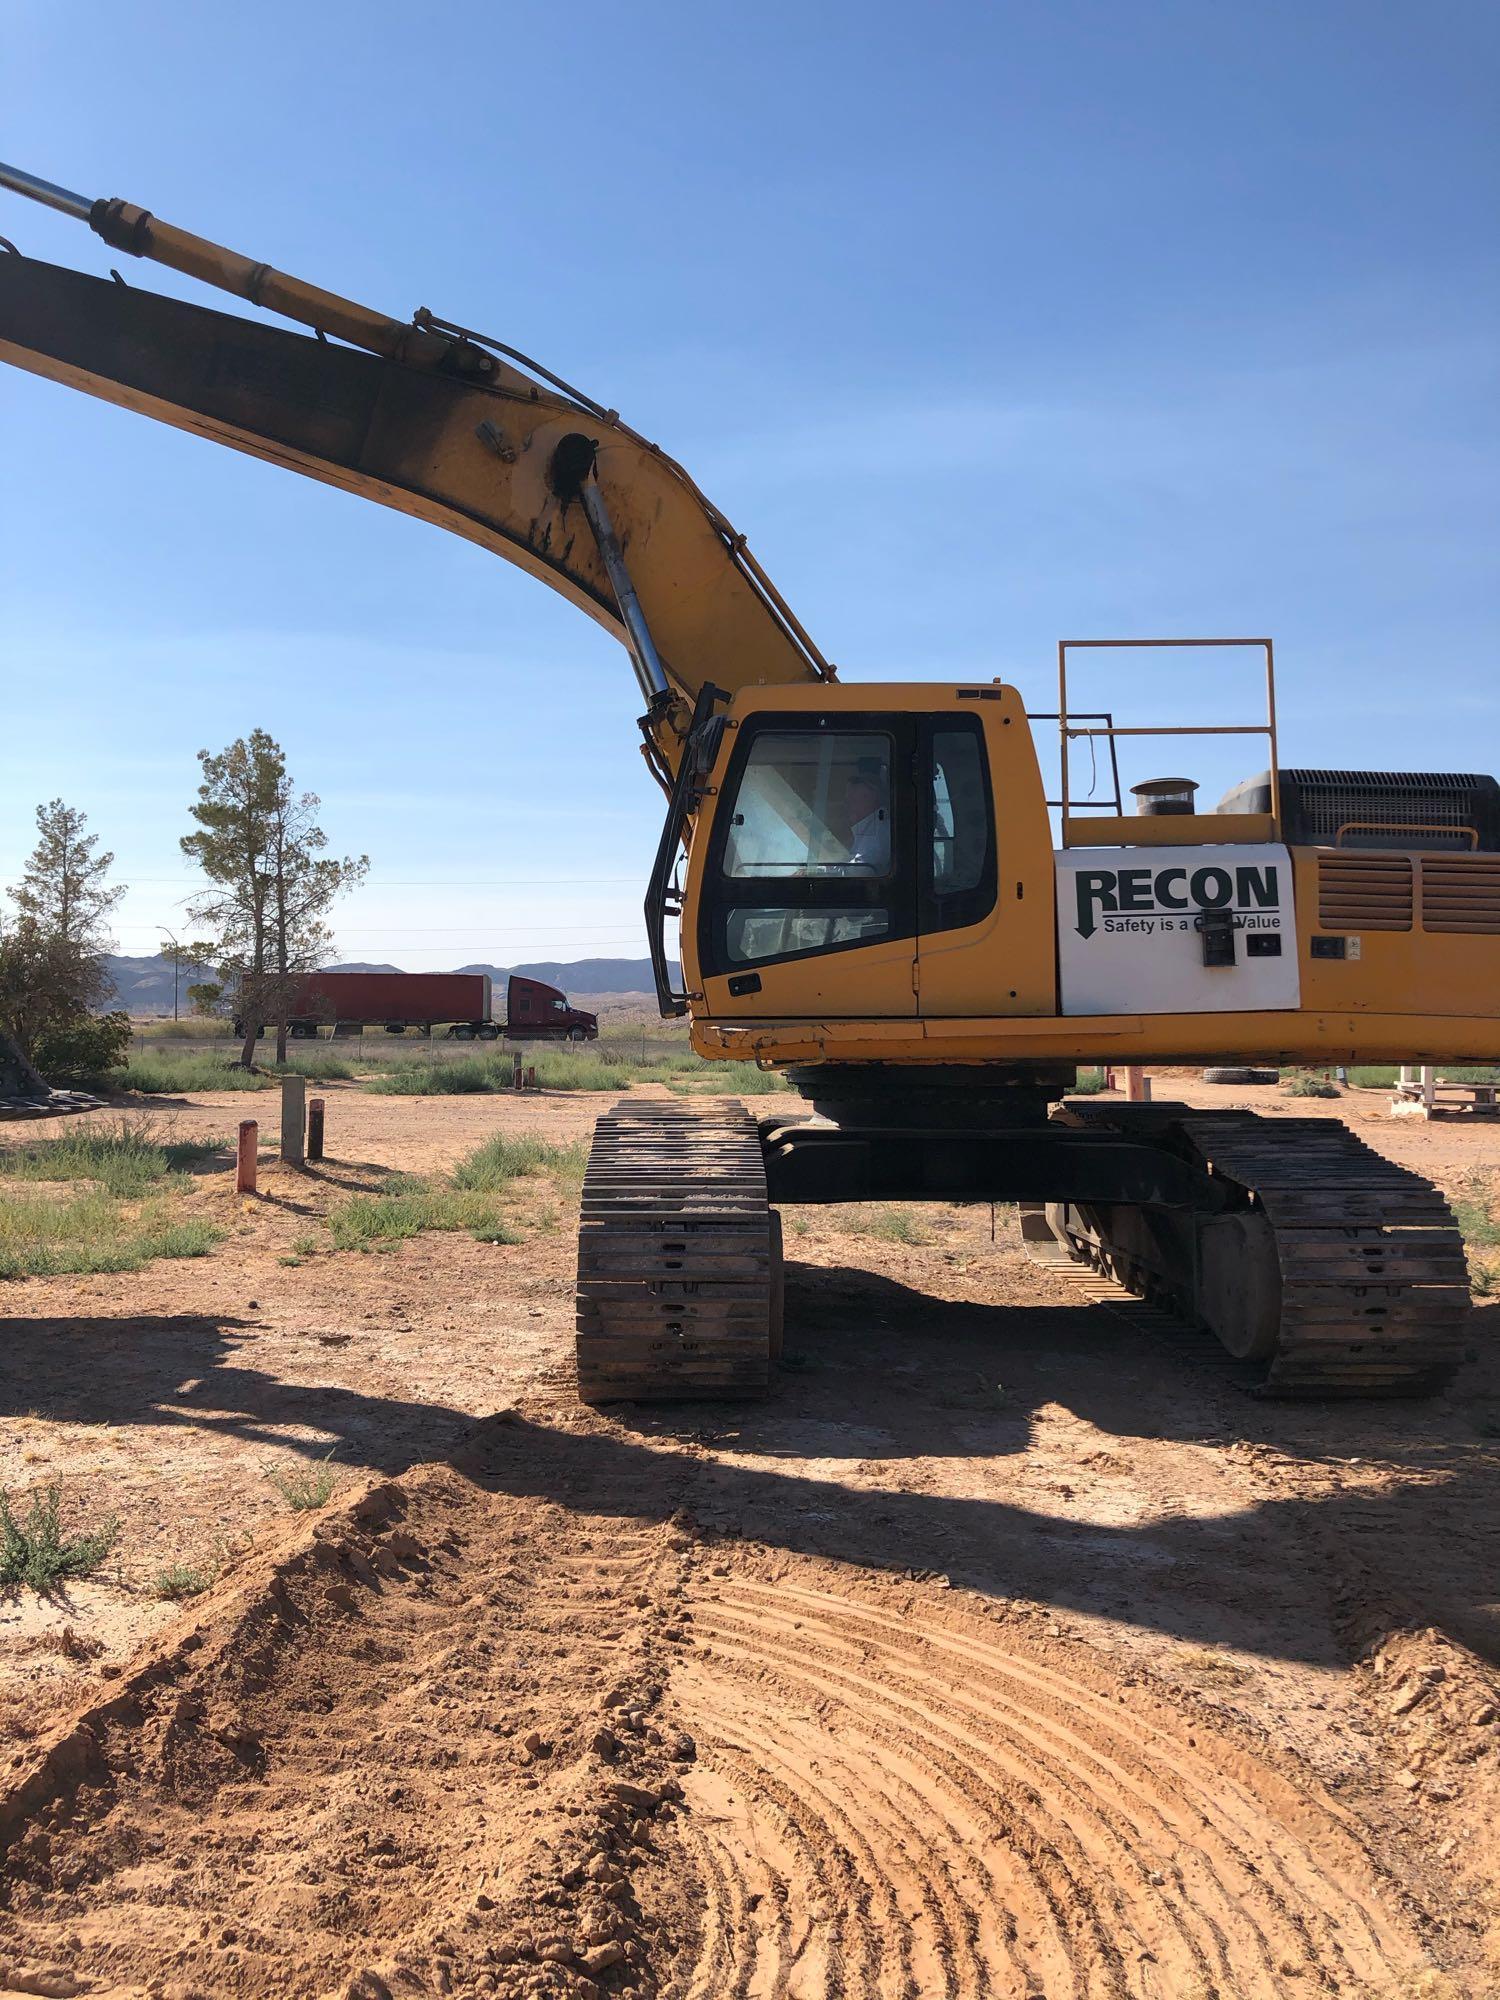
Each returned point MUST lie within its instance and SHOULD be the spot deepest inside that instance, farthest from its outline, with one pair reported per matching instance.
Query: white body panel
(1126, 938)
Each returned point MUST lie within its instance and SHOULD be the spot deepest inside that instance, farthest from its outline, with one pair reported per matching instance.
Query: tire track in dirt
(1015, 1828)
(435, 1742)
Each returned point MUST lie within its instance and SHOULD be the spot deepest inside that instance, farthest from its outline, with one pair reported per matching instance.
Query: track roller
(1334, 1271)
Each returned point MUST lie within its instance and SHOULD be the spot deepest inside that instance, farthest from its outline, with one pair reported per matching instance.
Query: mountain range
(144, 985)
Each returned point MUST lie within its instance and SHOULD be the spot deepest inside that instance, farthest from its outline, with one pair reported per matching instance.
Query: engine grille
(1364, 892)
(1446, 811)
(1460, 895)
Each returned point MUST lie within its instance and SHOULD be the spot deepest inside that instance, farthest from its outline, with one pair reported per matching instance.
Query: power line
(380, 882)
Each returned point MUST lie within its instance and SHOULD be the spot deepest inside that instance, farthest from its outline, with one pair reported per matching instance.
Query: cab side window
(959, 867)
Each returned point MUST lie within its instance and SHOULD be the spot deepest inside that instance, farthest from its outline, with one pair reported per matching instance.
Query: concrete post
(293, 1119)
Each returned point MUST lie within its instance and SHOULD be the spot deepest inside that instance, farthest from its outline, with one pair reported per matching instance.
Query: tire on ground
(1241, 1074)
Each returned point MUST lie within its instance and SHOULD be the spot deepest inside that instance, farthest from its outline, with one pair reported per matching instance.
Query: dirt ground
(1009, 1649)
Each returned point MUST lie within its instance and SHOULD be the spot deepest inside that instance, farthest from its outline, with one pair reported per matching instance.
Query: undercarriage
(1323, 1268)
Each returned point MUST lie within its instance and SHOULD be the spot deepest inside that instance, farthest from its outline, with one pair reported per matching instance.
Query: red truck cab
(537, 1012)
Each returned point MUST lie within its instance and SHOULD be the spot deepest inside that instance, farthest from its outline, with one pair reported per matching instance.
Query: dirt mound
(410, 1756)
(506, 1727)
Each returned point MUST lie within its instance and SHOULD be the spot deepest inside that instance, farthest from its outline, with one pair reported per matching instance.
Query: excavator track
(1352, 1266)
(679, 1255)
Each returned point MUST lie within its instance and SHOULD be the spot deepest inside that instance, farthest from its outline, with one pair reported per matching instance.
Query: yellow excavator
(868, 889)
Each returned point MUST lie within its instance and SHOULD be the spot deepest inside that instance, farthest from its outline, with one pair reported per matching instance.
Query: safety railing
(1085, 725)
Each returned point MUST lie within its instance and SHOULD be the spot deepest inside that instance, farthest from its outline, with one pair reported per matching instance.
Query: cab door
(985, 888)
(808, 902)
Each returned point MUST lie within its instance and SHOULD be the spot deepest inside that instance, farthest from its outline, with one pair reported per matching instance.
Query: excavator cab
(845, 863)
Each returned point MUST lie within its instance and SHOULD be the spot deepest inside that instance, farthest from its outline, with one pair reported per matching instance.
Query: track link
(1365, 1257)
(678, 1255)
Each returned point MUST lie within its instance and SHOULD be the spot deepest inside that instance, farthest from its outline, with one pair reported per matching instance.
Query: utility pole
(171, 940)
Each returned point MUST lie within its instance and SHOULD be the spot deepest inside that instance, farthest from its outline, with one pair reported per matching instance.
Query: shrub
(1087, 1083)
(36, 1552)
(82, 1051)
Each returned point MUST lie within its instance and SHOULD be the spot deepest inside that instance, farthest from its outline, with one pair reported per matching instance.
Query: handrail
(1068, 733)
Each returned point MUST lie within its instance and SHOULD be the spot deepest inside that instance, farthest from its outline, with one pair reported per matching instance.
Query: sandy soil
(1009, 1649)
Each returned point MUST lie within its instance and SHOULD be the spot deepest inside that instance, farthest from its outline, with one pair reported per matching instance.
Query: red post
(531, 1076)
(315, 1128)
(516, 1073)
(245, 1158)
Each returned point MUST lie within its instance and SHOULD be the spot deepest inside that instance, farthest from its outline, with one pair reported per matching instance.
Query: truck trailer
(460, 1002)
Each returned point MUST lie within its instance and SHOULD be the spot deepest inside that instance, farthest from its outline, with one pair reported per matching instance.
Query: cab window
(960, 812)
(812, 804)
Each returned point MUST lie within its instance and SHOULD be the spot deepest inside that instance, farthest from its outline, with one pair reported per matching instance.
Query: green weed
(1379, 1076)
(465, 1076)
(173, 1073)
(304, 1246)
(36, 1552)
(1474, 1212)
(1310, 1086)
(179, 1580)
(501, 1160)
(41, 1237)
(128, 1160)
(307, 1487)
(410, 1206)
(729, 1079)
(316, 1068)
(889, 1223)
(1087, 1083)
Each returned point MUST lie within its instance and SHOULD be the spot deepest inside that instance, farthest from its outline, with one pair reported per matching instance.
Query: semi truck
(460, 1002)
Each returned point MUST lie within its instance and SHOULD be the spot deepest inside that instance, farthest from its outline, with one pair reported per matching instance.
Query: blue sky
(989, 325)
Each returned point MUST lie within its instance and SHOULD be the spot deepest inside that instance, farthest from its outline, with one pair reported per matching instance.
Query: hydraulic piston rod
(644, 656)
(136, 231)
(78, 206)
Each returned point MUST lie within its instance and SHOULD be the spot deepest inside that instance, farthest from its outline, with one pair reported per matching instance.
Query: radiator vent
(1364, 892)
(1460, 895)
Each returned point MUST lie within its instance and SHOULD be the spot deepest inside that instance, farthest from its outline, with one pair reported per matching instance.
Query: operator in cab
(867, 802)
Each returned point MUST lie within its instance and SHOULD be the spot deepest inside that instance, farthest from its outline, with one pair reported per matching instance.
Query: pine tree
(52, 970)
(272, 886)
(65, 891)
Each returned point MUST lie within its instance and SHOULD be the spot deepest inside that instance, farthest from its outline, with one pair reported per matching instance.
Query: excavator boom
(430, 420)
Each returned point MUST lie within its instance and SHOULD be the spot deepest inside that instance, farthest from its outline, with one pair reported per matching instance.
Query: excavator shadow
(196, 1371)
(1061, 1455)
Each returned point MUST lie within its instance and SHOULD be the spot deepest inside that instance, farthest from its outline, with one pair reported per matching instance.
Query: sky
(990, 325)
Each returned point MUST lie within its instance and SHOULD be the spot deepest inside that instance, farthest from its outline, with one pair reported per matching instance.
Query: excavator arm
(431, 420)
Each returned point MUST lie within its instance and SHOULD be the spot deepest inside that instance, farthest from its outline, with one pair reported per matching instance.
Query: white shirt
(870, 844)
